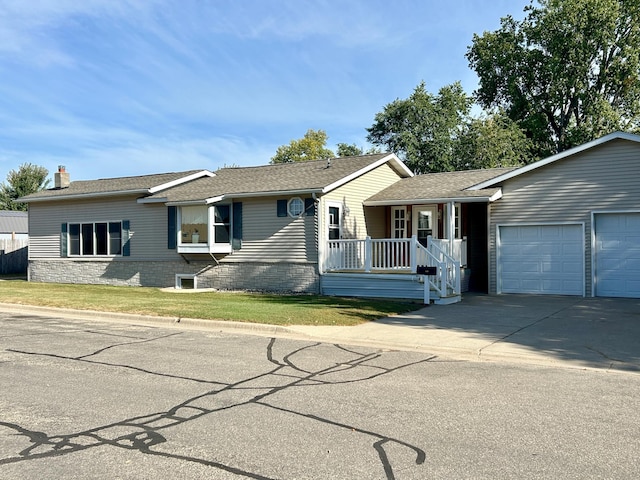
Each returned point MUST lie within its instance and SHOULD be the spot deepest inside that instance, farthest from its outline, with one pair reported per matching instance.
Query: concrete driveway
(594, 333)
(601, 333)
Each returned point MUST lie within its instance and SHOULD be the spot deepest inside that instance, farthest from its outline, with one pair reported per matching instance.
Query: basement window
(186, 281)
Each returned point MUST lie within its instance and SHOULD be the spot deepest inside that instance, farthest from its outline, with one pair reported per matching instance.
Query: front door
(424, 223)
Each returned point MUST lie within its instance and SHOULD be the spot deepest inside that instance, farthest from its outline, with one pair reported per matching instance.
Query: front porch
(395, 268)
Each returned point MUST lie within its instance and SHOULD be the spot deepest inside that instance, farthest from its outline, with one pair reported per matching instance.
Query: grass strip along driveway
(274, 309)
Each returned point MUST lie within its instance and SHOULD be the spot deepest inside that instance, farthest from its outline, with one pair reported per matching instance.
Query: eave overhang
(558, 156)
(232, 196)
(75, 196)
(403, 170)
(426, 201)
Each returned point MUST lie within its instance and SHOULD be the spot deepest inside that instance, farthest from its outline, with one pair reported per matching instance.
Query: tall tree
(492, 141)
(567, 73)
(351, 150)
(422, 129)
(27, 179)
(310, 147)
(346, 150)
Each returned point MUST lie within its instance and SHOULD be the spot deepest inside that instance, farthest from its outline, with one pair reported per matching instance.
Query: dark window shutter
(282, 208)
(237, 226)
(126, 248)
(63, 240)
(310, 207)
(172, 232)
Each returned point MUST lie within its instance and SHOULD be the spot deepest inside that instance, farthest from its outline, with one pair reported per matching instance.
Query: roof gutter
(82, 195)
(231, 196)
(424, 201)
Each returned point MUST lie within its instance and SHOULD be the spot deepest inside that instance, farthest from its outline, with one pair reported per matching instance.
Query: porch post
(451, 222)
(413, 254)
(367, 254)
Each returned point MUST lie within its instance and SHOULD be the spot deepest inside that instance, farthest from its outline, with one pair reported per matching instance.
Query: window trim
(215, 224)
(289, 207)
(94, 239)
(211, 246)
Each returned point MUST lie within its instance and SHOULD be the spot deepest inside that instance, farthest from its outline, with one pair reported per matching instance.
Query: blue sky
(125, 87)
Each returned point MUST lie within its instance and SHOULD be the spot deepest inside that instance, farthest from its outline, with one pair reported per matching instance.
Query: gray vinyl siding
(567, 191)
(269, 238)
(362, 221)
(148, 225)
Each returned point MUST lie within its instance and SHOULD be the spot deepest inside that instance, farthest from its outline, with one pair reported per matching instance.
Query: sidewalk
(576, 332)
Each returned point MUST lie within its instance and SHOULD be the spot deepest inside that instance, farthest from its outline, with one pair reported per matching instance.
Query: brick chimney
(61, 177)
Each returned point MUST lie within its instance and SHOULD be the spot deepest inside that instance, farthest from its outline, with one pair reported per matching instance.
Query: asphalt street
(86, 399)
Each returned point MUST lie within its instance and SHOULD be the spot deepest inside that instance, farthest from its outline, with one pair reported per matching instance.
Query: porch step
(375, 285)
(372, 285)
(448, 300)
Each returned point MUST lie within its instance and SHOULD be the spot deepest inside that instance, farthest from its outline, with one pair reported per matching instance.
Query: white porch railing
(400, 255)
(456, 249)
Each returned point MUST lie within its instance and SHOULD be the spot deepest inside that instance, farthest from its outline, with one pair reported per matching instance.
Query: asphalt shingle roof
(300, 176)
(108, 185)
(439, 186)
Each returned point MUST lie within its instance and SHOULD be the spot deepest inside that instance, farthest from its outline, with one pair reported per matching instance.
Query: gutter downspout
(319, 230)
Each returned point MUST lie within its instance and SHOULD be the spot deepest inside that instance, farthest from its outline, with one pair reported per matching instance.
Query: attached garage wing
(617, 254)
(541, 259)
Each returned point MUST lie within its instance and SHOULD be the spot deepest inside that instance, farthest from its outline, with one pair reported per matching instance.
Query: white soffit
(180, 181)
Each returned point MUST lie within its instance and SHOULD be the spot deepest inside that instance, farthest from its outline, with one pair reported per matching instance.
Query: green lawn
(242, 307)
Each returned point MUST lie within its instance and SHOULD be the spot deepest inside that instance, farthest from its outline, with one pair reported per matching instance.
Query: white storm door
(424, 223)
(399, 222)
(334, 221)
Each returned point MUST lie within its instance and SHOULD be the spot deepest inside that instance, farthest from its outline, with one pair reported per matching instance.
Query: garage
(617, 254)
(541, 259)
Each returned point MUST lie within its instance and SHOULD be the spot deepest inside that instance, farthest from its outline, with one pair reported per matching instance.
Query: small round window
(295, 207)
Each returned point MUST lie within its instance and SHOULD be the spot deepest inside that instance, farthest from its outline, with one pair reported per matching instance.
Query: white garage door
(541, 259)
(617, 272)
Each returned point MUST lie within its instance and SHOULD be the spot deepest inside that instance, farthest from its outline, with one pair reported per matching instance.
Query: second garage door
(545, 259)
(617, 255)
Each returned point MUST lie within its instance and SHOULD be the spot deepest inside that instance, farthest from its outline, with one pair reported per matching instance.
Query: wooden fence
(14, 256)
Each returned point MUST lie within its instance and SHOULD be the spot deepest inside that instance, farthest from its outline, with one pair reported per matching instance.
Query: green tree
(492, 141)
(567, 73)
(423, 129)
(346, 150)
(27, 179)
(311, 147)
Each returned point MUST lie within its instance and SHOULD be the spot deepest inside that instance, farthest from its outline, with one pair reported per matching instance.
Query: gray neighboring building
(14, 225)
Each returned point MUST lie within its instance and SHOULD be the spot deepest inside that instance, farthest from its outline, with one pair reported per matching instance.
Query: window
(334, 222)
(205, 228)
(295, 207)
(186, 281)
(222, 223)
(457, 221)
(95, 239)
(194, 224)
